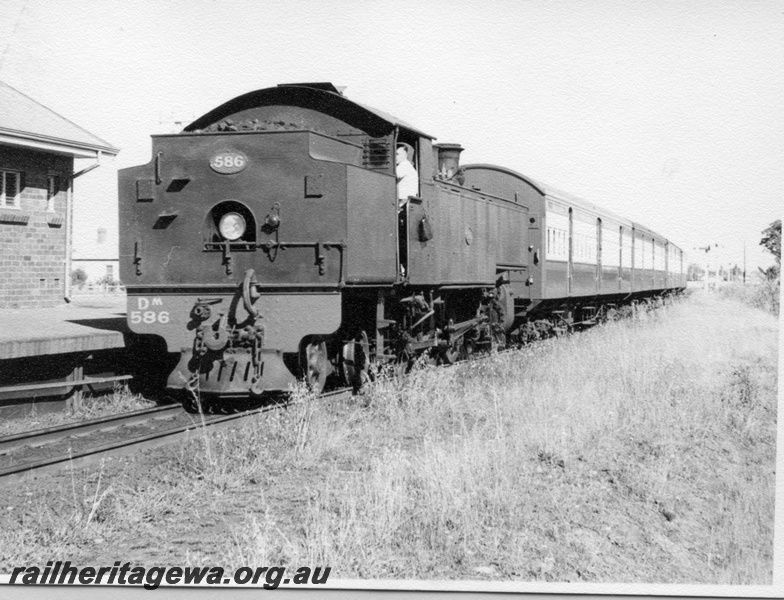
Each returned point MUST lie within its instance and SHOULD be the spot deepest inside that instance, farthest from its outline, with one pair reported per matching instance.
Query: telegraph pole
(706, 250)
(744, 262)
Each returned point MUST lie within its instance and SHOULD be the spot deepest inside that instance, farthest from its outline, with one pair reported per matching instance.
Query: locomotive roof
(323, 97)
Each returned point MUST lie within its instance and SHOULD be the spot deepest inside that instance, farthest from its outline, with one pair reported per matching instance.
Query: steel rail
(146, 441)
(56, 433)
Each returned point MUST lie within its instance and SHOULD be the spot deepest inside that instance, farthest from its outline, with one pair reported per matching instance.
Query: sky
(668, 113)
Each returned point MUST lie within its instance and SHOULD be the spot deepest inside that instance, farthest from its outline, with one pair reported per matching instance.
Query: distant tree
(107, 280)
(771, 273)
(78, 277)
(694, 272)
(771, 239)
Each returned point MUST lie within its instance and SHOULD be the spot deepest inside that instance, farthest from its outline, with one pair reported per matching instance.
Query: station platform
(88, 323)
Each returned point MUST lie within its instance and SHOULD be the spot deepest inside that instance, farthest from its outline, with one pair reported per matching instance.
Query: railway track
(76, 444)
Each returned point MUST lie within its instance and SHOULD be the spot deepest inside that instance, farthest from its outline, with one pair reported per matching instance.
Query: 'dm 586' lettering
(149, 315)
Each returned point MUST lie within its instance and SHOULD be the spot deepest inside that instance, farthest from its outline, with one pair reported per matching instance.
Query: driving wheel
(317, 366)
(356, 361)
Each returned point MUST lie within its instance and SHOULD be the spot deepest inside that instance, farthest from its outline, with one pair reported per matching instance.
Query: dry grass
(86, 510)
(88, 407)
(642, 451)
(764, 294)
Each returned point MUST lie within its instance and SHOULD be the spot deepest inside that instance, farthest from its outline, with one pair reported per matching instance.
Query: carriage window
(653, 254)
(584, 241)
(611, 246)
(639, 252)
(557, 236)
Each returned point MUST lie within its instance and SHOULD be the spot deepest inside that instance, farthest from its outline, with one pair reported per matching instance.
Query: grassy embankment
(642, 451)
(764, 294)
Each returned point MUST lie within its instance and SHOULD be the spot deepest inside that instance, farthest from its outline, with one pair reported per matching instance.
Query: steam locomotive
(264, 244)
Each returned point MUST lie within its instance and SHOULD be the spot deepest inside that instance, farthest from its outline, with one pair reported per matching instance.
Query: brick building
(37, 152)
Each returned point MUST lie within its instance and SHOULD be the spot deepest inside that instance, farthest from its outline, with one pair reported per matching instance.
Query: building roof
(25, 122)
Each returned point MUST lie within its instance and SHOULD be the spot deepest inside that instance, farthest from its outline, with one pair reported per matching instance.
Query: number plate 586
(228, 161)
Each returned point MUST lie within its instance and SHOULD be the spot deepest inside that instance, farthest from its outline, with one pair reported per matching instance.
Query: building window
(52, 189)
(11, 180)
(101, 235)
(110, 272)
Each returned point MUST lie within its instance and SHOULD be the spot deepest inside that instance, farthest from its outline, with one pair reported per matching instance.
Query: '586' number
(229, 161)
(149, 316)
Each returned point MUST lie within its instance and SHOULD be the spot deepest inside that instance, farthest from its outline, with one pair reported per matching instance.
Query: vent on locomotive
(376, 154)
(230, 222)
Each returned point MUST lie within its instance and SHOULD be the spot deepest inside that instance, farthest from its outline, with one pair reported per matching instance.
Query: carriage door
(633, 260)
(598, 256)
(667, 278)
(653, 263)
(620, 258)
(569, 263)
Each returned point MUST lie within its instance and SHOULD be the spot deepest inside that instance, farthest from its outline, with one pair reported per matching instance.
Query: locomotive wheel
(200, 405)
(317, 366)
(452, 354)
(190, 401)
(449, 356)
(497, 341)
(356, 361)
(403, 363)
